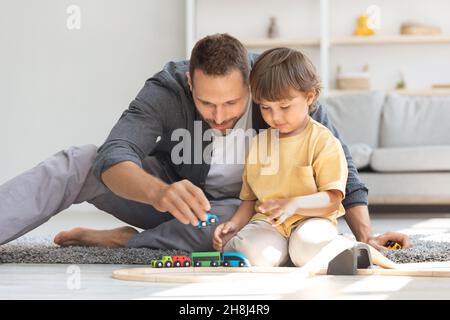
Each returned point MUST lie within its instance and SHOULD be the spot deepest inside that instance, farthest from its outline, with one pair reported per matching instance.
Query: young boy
(291, 212)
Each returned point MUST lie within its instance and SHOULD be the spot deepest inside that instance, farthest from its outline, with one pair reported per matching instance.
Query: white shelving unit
(191, 26)
(324, 42)
(389, 40)
(324, 46)
(403, 92)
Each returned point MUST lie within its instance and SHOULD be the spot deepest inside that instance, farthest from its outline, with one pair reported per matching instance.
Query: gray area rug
(43, 250)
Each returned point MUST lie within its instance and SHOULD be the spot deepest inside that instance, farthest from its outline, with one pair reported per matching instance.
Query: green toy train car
(206, 259)
(172, 261)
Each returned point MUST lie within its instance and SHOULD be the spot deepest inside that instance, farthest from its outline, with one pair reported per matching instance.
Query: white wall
(61, 87)
(422, 65)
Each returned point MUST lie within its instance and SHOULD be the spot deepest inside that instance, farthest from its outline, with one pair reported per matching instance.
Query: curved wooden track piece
(200, 274)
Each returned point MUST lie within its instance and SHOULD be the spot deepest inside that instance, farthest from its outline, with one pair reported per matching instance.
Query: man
(136, 176)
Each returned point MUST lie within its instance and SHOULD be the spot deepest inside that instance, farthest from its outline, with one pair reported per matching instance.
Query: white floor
(21, 281)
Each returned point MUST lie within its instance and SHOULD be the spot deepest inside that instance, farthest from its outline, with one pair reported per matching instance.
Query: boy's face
(287, 115)
(220, 100)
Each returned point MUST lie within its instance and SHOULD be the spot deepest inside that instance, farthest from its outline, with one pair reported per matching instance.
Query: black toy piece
(348, 261)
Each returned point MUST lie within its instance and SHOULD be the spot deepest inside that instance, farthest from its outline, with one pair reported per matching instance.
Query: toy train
(210, 220)
(203, 259)
(392, 245)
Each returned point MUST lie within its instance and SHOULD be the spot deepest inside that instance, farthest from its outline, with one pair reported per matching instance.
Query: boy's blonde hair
(278, 70)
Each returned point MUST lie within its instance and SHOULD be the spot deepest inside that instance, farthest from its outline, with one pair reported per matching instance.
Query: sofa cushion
(411, 159)
(361, 154)
(356, 116)
(407, 187)
(415, 121)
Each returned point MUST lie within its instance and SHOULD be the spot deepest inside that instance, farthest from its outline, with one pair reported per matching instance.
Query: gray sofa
(400, 144)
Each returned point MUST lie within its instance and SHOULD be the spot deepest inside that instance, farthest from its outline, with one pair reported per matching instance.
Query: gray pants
(32, 198)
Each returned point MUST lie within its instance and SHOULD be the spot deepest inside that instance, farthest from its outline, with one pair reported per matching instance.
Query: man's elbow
(111, 172)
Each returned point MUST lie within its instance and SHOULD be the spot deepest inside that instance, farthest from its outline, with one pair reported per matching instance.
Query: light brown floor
(94, 281)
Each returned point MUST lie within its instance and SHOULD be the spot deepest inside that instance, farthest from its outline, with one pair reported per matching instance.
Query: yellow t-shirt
(309, 162)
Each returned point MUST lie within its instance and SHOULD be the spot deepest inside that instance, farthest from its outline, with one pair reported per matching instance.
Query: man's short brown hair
(278, 70)
(218, 55)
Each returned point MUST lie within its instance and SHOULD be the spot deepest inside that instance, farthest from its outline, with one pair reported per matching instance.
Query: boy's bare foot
(118, 237)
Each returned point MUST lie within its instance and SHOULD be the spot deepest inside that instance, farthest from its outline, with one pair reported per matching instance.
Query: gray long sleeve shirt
(165, 104)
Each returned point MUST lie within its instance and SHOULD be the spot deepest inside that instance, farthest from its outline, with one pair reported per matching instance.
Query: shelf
(406, 92)
(280, 42)
(390, 39)
(347, 41)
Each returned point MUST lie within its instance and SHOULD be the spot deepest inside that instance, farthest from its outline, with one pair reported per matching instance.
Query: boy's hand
(280, 209)
(223, 233)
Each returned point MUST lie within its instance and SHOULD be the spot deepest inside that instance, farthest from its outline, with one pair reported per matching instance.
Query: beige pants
(263, 245)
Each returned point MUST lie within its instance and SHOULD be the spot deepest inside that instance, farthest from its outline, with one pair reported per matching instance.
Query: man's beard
(230, 125)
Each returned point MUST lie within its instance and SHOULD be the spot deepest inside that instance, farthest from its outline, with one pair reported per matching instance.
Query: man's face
(220, 100)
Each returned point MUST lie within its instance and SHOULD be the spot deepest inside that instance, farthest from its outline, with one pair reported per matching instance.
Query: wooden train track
(316, 266)
(225, 274)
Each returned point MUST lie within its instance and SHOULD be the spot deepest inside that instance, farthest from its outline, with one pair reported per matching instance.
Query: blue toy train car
(210, 220)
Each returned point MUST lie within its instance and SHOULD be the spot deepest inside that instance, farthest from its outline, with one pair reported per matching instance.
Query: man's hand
(280, 209)
(182, 199)
(379, 241)
(358, 220)
(223, 233)
(185, 201)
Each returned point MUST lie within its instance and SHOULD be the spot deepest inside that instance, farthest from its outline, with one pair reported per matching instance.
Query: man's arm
(136, 133)
(131, 182)
(185, 201)
(119, 161)
(355, 202)
(358, 220)
(356, 192)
